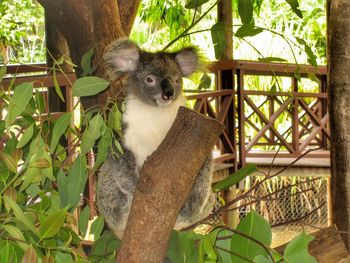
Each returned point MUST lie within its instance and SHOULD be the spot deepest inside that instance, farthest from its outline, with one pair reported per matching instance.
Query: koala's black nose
(167, 89)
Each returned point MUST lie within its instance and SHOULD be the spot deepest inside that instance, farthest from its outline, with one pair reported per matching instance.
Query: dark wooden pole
(339, 109)
(165, 182)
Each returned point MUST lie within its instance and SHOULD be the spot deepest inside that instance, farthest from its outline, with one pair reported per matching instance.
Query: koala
(153, 83)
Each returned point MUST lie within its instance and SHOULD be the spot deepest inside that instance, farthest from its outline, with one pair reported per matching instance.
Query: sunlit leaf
(27, 135)
(89, 86)
(52, 224)
(218, 38)
(235, 178)
(297, 250)
(206, 251)
(245, 10)
(41, 163)
(118, 147)
(97, 227)
(294, 4)
(59, 129)
(19, 101)
(256, 227)
(192, 4)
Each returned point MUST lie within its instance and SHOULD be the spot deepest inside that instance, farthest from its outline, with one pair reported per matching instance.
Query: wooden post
(164, 184)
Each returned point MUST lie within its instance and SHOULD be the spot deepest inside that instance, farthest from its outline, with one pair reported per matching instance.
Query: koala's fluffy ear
(122, 56)
(187, 59)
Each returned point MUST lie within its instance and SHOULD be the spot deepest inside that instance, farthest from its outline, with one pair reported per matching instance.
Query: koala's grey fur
(154, 85)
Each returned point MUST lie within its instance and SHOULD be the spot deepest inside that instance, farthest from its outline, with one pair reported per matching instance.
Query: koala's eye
(150, 79)
(177, 80)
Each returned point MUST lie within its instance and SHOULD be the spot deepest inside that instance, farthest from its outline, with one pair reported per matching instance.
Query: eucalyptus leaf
(193, 4)
(57, 86)
(27, 135)
(248, 30)
(294, 4)
(97, 227)
(17, 235)
(52, 224)
(30, 256)
(3, 70)
(297, 250)
(59, 129)
(205, 82)
(272, 59)
(256, 227)
(245, 11)
(19, 101)
(83, 220)
(86, 62)
(103, 148)
(89, 86)
(235, 178)
(92, 133)
(218, 37)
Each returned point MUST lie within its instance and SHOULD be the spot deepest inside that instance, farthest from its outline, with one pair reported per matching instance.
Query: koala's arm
(116, 184)
(201, 199)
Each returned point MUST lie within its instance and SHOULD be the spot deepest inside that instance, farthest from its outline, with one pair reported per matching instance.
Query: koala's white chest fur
(147, 126)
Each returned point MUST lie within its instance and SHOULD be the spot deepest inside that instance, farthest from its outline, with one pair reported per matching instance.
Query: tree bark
(164, 184)
(339, 99)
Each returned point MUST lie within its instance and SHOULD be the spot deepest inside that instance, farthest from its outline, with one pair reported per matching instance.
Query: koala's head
(155, 78)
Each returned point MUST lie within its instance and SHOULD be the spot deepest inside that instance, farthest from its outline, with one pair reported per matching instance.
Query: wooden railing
(263, 123)
(258, 122)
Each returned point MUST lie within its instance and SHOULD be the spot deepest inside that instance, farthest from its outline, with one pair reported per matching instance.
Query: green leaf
(77, 177)
(62, 185)
(97, 227)
(27, 135)
(224, 257)
(248, 30)
(205, 82)
(296, 250)
(9, 161)
(311, 58)
(245, 10)
(19, 101)
(16, 234)
(19, 214)
(272, 59)
(63, 257)
(86, 62)
(92, 133)
(6, 253)
(84, 220)
(57, 86)
(256, 227)
(119, 147)
(218, 38)
(89, 86)
(103, 146)
(235, 178)
(294, 4)
(193, 4)
(52, 224)
(106, 244)
(262, 259)
(3, 70)
(175, 252)
(59, 129)
(206, 251)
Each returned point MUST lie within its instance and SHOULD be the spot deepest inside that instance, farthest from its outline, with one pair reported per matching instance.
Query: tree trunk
(164, 184)
(339, 98)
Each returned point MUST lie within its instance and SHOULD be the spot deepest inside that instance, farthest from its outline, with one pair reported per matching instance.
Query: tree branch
(164, 184)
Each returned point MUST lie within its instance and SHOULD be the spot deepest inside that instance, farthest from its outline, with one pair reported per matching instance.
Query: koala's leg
(116, 184)
(201, 200)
